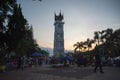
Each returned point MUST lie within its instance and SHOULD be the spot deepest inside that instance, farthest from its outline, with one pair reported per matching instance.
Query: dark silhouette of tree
(108, 33)
(16, 28)
(27, 45)
(20, 34)
(78, 45)
(101, 36)
(113, 42)
(108, 41)
(96, 37)
(116, 36)
(6, 8)
(116, 40)
(89, 43)
(15, 33)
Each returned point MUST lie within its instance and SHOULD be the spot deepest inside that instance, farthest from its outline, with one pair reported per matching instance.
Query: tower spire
(60, 13)
(59, 17)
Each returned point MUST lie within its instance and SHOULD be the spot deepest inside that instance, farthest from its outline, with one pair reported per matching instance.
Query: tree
(21, 33)
(108, 34)
(110, 41)
(26, 44)
(6, 8)
(78, 45)
(16, 28)
(6, 11)
(96, 37)
(113, 41)
(15, 34)
(89, 43)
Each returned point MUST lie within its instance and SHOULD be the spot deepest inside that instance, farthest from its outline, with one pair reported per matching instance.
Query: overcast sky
(81, 17)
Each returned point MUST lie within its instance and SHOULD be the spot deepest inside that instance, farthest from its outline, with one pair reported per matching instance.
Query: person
(19, 63)
(98, 62)
(40, 61)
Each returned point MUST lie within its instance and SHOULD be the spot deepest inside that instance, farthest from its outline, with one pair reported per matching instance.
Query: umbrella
(67, 58)
(44, 52)
(36, 54)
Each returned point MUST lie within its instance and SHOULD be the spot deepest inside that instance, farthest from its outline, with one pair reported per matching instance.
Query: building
(58, 35)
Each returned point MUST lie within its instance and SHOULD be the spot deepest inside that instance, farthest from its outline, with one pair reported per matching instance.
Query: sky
(81, 17)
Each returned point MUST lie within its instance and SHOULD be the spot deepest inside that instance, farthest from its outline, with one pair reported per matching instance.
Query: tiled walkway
(71, 73)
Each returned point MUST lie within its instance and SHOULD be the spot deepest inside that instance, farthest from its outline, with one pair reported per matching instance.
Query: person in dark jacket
(19, 62)
(98, 62)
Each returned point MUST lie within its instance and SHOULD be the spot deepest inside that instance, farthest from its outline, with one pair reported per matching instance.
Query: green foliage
(16, 28)
(78, 45)
(108, 40)
(82, 46)
(6, 8)
(21, 33)
(15, 33)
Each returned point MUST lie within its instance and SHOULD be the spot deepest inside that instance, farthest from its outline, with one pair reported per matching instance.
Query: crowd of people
(65, 61)
(21, 62)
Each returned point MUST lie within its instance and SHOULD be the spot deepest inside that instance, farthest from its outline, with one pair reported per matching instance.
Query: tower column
(58, 36)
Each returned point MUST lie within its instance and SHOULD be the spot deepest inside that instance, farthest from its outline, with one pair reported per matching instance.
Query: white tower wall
(58, 36)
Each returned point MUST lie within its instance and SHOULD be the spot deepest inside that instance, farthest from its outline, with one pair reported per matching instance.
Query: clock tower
(58, 35)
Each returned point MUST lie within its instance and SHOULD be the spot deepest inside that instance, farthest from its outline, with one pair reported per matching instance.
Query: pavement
(45, 72)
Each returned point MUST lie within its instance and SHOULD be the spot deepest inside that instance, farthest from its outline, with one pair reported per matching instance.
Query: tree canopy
(15, 32)
(108, 40)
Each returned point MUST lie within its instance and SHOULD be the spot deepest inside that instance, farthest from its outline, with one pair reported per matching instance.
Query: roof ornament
(58, 17)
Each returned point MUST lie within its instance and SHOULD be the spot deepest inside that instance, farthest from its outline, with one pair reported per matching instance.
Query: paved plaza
(69, 73)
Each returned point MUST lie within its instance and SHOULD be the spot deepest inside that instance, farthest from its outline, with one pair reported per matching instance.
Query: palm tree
(96, 37)
(105, 37)
(99, 37)
(89, 43)
(108, 34)
(78, 45)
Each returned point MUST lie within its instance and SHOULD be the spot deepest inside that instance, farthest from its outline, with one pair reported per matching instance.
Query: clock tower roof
(58, 17)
